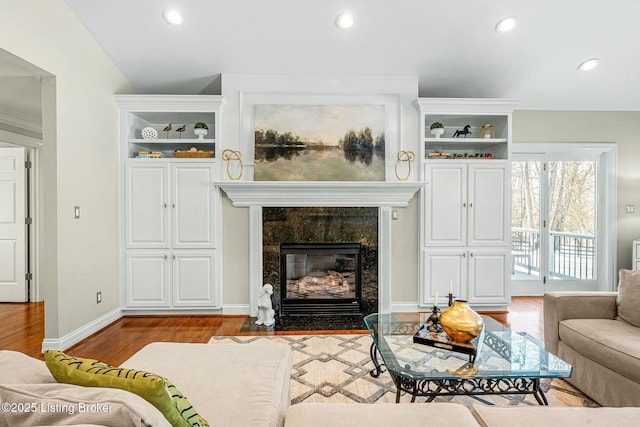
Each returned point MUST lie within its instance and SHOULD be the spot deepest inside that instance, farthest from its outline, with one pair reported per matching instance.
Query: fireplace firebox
(320, 278)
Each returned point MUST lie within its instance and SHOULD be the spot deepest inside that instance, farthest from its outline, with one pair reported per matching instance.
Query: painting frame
(249, 101)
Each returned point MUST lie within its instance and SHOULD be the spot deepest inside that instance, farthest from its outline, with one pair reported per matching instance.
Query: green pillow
(155, 389)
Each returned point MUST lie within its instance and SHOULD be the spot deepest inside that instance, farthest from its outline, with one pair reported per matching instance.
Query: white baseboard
(169, 312)
(236, 309)
(81, 333)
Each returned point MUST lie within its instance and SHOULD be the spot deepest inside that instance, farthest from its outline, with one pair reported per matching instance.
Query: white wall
(80, 257)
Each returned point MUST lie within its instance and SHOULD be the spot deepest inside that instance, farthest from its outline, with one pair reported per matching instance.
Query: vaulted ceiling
(452, 46)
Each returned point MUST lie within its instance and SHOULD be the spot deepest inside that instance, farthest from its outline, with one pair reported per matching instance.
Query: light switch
(76, 212)
(629, 209)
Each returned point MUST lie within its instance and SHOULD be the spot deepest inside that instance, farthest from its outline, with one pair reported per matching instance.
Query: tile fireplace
(321, 260)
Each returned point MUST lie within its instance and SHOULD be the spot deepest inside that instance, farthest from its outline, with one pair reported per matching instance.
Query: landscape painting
(319, 142)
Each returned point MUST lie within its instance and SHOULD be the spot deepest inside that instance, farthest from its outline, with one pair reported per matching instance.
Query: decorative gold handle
(404, 157)
(464, 205)
(165, 205)
(232, 156)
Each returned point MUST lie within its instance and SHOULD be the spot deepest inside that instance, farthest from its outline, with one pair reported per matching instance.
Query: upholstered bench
(453, 414)
(379, 415)
(229, 385)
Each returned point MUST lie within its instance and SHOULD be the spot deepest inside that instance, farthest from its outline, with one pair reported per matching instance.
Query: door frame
(605, 154)
(33, 153)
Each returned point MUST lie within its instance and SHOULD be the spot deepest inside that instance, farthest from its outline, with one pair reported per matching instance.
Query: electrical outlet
(98, 297)
(629, 209)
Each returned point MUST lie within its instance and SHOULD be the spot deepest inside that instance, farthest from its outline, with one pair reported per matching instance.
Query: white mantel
(330, 194)
(383, 195)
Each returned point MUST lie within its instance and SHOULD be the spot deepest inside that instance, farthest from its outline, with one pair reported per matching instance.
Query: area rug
(335, 368)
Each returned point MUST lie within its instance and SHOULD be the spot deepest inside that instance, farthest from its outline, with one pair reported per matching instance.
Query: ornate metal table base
(459, 387)
(375, 373)
(468, 387)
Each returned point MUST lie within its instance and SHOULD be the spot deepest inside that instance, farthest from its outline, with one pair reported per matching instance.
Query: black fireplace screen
(320, 278)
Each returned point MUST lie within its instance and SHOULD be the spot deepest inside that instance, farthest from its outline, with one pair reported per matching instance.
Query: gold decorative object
(404, 156)
(466, 370)
(232, 156)
(487, 131)
(460, 322)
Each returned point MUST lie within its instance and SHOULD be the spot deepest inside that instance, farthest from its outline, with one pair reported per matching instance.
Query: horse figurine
(464, 132)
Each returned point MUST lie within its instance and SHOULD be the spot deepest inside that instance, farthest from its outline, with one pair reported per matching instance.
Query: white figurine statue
(265, 307)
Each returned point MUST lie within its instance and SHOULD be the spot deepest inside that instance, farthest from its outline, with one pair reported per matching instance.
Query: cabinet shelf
(466, 141)
(173, 141)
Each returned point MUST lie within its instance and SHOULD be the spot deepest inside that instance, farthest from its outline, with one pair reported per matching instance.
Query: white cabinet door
(440, 267)
(147, 279)
(445, 205)
(147, 198)
(193, 278)
(192, 206)
(488, 211)
(488, 276)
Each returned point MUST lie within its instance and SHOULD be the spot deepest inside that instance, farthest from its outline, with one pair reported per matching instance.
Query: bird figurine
(167, 128)
(181, 129)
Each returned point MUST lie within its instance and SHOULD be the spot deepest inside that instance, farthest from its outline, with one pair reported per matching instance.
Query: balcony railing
(572, 256)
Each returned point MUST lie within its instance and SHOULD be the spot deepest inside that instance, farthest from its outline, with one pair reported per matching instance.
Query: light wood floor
(23, 329)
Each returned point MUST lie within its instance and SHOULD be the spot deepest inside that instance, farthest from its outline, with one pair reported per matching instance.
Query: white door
(442, 266)
(192, 206)
(563, 219)
(488, 276)
(446, 205)
(193, 278)
(487, 204)
(13, 252)
(147, 206)
(148, 279)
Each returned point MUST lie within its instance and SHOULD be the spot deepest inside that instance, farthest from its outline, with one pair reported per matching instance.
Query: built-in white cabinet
(171, 206)
(476, 274)
(635, 262)
(466, 201)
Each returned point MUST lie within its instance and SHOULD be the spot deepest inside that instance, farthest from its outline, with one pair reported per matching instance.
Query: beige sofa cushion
(379, 415)
(230, 384)
(66, 404)
(629, 296)
(18, 368)
(611, 343)
(155, 389)
(495, 416)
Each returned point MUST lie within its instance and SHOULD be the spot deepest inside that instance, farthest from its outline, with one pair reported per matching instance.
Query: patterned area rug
(335, 368)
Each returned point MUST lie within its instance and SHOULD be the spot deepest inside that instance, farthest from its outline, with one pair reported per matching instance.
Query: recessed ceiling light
(589, 64)
(344, 21)
(506, 24)
(172, 16)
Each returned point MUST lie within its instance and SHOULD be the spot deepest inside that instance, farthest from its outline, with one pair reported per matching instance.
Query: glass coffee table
(506, 362)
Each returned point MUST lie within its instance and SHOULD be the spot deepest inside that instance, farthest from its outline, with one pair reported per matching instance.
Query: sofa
(245, 385)
(229, 385)
(592, 332)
